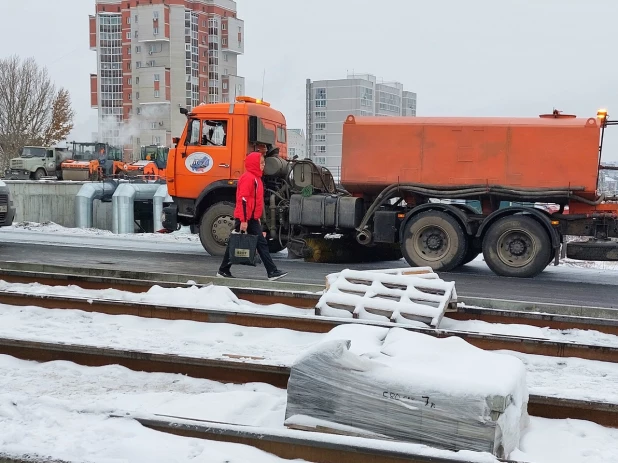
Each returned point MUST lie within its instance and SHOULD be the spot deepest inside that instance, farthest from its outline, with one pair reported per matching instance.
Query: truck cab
(208, 158)
(36, 162)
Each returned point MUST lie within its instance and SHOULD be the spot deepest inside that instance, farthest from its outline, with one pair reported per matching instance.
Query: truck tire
(39, 174)
(471, 254)
(434, 239)
(215, 227)
(517, 246)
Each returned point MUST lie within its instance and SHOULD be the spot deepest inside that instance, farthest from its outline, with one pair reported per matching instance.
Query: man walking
(249, 207)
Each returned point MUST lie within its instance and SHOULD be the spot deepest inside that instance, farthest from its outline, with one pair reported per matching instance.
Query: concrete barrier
(53, 201)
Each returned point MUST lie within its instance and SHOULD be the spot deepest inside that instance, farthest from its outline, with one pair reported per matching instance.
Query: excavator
(92, 161)
(152, 163)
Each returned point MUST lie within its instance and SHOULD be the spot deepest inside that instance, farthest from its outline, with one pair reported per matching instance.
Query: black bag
(243, 249)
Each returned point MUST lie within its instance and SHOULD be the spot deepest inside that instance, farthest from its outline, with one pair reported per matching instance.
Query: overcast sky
(462, 58)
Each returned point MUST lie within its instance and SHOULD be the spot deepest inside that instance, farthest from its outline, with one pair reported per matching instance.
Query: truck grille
(17, 164)
(4, 201)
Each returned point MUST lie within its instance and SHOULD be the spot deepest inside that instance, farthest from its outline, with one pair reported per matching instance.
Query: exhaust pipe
(364, 237)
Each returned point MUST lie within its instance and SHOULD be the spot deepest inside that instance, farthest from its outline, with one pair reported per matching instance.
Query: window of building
(155, 30)
(291, 152)
(129, 51)
(157, 77)
(130, 97)
(137, 95)
(223, 26)
(129, 81)
(128, 36)
(320, 97)
(153, 125)
(136, 18)
(224, 56)
(155, 14)
(129, 20)
(139, 111)
(156, 93)
(319, 149)
(320, 114)
(319, 160)
(320, 126)
(137, 81)
(224, 41)
(138, 64)
(156, 140)
(320, 138)
(136, 34)
(138, 49)
(138, 140)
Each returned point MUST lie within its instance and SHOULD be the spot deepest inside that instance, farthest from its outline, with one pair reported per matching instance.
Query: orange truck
(396, 174)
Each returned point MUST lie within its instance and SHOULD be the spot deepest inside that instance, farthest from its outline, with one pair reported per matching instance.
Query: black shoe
(276, 275)
(221, 274)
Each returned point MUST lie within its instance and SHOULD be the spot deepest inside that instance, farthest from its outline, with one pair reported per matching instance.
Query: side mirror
(176, 140)
(184, 111)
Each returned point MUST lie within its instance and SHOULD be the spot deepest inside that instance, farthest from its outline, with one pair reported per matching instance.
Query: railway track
(318, 324)
(247, 369)
(235, 369)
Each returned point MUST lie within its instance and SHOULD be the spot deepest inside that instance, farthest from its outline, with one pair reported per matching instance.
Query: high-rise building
(296, 143)
(156, 56)
(329, 102)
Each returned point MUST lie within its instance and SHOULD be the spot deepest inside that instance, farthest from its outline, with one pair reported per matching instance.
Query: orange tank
(545, 152)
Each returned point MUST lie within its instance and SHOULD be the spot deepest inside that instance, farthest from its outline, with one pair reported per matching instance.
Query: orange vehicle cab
(208, 158)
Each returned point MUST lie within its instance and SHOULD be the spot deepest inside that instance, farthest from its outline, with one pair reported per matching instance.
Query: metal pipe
(160, 197)
(84, 201)
(123, 213)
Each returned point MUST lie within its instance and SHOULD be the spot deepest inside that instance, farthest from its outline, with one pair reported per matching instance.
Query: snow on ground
(60, 409)
(221, 298)
(181, 337)
(264, 345)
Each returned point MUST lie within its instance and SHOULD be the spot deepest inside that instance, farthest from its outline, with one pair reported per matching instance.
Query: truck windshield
(30, 152)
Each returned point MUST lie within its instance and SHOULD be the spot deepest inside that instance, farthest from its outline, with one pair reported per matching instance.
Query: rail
(313, 324)
(241, 370)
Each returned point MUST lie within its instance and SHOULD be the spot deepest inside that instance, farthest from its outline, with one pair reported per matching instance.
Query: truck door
(206, 156)
(50, 162)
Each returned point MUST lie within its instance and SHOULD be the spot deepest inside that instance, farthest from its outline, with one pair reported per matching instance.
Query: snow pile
(205, 297)
(398, 295)
(184, 234)
(411, 387)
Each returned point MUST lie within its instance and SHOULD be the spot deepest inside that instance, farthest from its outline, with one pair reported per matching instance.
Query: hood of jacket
(252, 163)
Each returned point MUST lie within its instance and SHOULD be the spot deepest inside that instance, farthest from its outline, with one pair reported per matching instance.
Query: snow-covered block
(407, 386)
(388, 295)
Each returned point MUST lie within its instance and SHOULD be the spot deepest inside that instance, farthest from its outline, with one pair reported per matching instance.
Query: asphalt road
(587, 287)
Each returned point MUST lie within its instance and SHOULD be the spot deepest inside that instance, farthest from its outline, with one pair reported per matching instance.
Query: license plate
(4, 208)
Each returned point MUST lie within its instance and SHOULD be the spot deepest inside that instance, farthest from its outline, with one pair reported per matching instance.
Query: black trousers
(253, 228)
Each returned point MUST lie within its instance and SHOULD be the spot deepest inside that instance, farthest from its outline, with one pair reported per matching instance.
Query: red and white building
(155, 56)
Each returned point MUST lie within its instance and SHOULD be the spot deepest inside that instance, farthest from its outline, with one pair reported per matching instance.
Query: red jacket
(250, 190)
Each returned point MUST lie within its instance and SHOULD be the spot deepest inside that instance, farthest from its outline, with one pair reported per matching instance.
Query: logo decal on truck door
(199, 163)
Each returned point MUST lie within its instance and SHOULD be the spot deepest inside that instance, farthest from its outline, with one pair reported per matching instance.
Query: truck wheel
(434, 239)
(39, 174)
(517, 246)
(471, 254)
(215, 227)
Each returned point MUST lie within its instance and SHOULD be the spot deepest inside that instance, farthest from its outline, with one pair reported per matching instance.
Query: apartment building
(156, 56)
(296, 143)
(329, 102)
